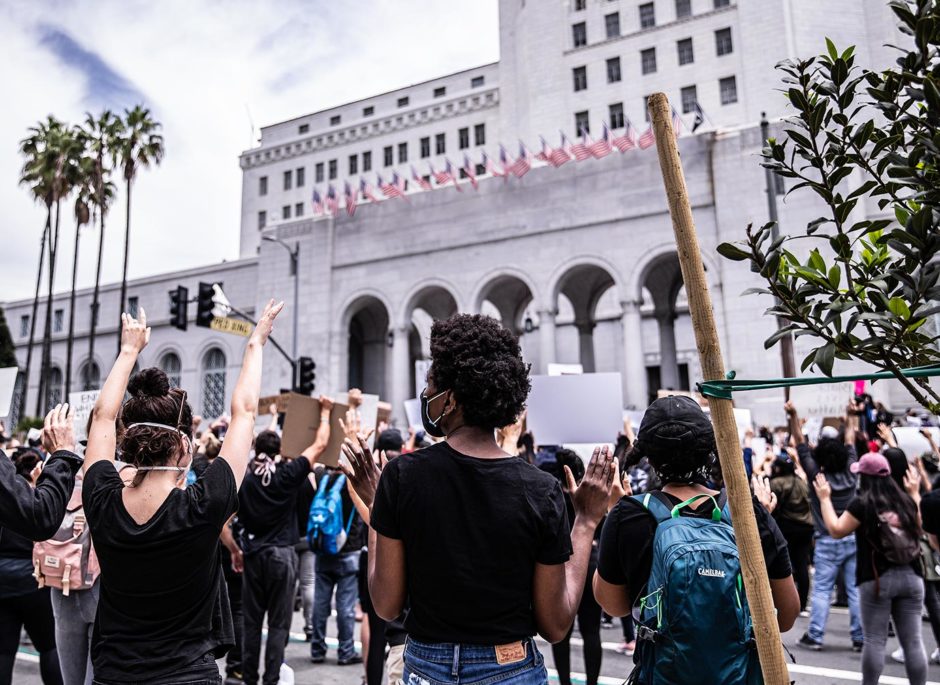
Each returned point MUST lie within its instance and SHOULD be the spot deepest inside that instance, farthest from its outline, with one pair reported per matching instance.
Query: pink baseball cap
(872, 464)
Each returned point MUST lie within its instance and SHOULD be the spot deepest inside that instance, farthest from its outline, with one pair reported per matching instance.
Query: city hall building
(579, 261)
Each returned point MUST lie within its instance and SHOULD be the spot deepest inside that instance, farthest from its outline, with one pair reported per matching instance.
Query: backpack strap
(655, 506)
(338, 484)
(716, 511)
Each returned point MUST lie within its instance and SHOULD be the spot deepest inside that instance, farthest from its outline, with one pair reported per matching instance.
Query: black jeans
(233, 661)
(268, 587)
(32, 611)
(589, 625)
(932, 602)
(800, 547)
(375, 659)
(202, 671)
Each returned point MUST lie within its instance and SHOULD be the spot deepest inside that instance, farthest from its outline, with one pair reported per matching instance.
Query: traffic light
(306, 376)
(179, 307)
(205, 304)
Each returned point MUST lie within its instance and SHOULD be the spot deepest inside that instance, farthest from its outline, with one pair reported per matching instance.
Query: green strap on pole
(724, 389)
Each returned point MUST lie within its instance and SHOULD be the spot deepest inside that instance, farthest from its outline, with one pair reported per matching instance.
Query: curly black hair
(481, 363)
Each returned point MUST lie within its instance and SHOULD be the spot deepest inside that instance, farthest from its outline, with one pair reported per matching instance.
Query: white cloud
(200, 63)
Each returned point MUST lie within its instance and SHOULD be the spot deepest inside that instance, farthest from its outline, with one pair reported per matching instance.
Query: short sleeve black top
(930, 512)
(163, 601)
(268, 513)
(869, 559)
(626, 553)
(473, 530)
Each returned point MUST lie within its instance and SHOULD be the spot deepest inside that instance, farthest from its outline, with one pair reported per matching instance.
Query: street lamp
(295, 272)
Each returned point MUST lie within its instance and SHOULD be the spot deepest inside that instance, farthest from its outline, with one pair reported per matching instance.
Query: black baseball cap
(390, 439)
(671, 411)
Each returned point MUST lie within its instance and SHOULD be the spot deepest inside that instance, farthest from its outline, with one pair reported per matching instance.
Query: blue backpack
(325, 531)
(694, 625)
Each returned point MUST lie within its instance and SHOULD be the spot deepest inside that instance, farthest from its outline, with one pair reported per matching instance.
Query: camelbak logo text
(711, 572)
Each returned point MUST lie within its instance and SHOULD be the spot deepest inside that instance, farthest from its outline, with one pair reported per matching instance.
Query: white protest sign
(564, 369)
(422, 366)
(369, 412)
(575, 409)
(742, 418)
(821, 401)
(413, 414)
(913, 443)
(7, 386)
(82, 403)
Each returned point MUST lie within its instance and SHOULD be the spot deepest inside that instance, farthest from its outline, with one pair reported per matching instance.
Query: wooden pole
(753, 567)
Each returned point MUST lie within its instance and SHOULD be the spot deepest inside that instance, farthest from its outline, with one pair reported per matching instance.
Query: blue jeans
(444, 663)
(831, 558)
(340, 572)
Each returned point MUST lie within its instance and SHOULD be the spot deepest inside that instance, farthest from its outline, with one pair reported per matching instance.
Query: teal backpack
(325, 531)
(694, 626)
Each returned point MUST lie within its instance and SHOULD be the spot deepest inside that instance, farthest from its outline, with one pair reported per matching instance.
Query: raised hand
(266, 322)
(823, 489)
(766, 496)
(352, 426)
(620, 486)
(592, 496)
(58, 431)
(912, 482)
(362, 470)
(135, 334)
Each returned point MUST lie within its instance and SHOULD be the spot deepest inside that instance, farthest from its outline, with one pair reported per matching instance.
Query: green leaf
(899, 308)
(902, 215)
(783, 332)
(733, 252)
(817, 262)
(825, 357)
(835, 276)
(831, 49)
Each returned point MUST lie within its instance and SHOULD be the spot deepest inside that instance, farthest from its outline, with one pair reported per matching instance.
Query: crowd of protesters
(166, 548)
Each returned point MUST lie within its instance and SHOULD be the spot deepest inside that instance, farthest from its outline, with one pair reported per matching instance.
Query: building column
(636, 392)
(401, 375)
(668, 364)
(546, 339)
(586, 344)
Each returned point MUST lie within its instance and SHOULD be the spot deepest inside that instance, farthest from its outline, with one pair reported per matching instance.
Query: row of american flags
(396, 187)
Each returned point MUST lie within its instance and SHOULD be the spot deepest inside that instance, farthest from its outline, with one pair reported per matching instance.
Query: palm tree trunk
(127, 247)
(32, 319)
(47, 333)
(71, 338)
(95, 306)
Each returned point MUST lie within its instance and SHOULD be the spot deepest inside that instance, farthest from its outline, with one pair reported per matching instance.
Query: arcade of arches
(584, 319)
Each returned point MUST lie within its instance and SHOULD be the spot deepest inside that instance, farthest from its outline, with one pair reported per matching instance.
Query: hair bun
(150, 382)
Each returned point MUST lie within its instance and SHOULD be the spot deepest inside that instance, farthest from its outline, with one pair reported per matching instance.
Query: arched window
(90, 376)
(173, 368)
(53, 387)
(213, 383)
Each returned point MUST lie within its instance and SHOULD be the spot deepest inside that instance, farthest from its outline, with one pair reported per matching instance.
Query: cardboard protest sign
(82, 403)
(7, 387)
(585, 408)
(821, 401)
(300, 428)
(282, 400)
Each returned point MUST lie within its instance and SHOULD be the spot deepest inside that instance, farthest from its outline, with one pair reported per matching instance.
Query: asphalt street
(837, 664)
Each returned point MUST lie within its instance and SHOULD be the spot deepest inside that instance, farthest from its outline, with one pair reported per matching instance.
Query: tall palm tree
(139, 145)
(43, 173)
(102, 133)
(80, 177)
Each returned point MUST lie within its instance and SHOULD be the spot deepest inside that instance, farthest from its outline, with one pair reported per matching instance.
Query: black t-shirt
(163, 601)
(930, 512)
(358, 535)
(473, 530)
(626, 554)
(868, 557)
(843, 483)
(267, 512)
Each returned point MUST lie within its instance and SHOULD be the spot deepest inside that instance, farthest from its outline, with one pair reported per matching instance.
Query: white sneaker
(935, 656)
(898, 655)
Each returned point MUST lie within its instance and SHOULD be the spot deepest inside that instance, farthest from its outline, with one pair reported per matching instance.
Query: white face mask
(182, 470)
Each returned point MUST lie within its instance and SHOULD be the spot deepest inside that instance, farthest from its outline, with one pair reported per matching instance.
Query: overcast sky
(206, 69)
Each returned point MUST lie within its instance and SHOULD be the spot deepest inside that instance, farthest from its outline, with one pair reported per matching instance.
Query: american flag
(560, 154)
(350, 199)
(545, 152)
(602, 147)
(627, 141)
(491, 167)
(446, 176)
(504, 160)
(332, 201)
(317, 202)
(366, 190)
(396, 188)
(424, 185)
(676, 122)
(647, 139)
(470, 171)
(522, 165)
(581, 150)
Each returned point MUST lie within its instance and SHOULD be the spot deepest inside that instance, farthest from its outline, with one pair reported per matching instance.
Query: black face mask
(431, 427)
